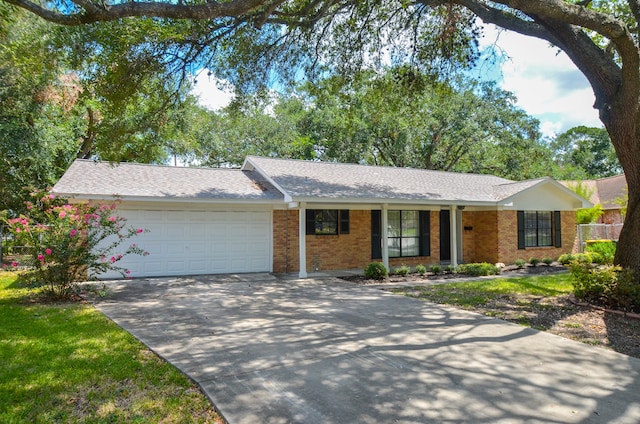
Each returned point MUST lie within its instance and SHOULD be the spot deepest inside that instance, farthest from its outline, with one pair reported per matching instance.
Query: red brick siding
(343, 251)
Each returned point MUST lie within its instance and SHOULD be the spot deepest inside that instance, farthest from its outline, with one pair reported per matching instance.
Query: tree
(587, 152)
(409, 119)
(61, 100)
(600, 37)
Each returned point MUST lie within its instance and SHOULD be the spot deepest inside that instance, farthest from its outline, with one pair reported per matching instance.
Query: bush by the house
(402, 270)
(436, 269)
(71, 242)
(421, 269)
(608, 285)
(534, 261)
(547, 261)
(605, 248)
(566, 258)
(520, 263)
(479, 269)
(376, 270)
(450, 269)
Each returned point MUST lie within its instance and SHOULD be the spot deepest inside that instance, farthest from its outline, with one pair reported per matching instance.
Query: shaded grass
(68, 363)
(477, 293)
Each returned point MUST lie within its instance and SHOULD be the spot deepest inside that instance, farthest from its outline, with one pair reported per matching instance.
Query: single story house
(278, 215)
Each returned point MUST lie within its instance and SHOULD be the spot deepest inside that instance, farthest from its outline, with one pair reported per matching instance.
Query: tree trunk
(626, 140)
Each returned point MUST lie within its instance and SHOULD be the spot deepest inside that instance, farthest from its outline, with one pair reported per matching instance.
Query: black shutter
(521, 230)
(425, 233)
(344, 221)
(376, 234)
(557, 225)
(311, 222)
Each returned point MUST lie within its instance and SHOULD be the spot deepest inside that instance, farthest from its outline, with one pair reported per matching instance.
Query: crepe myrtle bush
(71, 242)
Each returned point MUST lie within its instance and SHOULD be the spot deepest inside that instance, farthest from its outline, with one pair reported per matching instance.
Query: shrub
(547, 261)
(402, 270)
(566, 258)
(608, 285)
(480, 269)
(520, 263)
(582, 258)
(71, 242)
(421, 269)
(376, 270)
(534, 261)
(436, 269)
(606, 249)
(450, 269)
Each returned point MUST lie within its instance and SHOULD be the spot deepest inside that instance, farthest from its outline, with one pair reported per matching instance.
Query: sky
(547, 84)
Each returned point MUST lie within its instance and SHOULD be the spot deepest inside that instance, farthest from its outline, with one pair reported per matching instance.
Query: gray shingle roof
(89, 178)
(335, 181)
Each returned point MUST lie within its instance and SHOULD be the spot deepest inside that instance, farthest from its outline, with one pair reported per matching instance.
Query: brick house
(277, 215)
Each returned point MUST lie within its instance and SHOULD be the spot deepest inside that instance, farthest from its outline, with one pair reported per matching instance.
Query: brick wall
(492, 237)
(343, 251)
(508, 249)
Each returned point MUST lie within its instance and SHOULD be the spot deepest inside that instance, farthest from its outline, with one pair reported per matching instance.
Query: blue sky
(546, 82)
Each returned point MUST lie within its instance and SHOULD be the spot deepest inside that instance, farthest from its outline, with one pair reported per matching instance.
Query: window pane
(327, 221)
(410, 223)
(544, 229)
(394, 247)
(394, 229)
(410, 246)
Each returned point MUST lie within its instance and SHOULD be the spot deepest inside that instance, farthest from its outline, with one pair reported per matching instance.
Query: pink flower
(113, 259)
(128, 271)
(18, 230)
(112, 218)
(48, 251)
(14, 264)
(140, 230)
(41, 258)
(62, 214)
(73, 232)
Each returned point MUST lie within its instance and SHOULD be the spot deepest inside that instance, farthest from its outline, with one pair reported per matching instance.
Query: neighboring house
(278, 215)
(610, 192)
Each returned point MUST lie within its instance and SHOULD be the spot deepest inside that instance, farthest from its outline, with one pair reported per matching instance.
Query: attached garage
(192, 242)
(198, 220)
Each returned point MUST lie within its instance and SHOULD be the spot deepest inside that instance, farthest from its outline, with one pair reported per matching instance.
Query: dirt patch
(560, 316)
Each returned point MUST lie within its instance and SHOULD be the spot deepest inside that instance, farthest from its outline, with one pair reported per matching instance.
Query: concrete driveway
(327, 351)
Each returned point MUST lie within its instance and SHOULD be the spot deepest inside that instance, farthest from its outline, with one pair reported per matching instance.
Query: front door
(445, 236)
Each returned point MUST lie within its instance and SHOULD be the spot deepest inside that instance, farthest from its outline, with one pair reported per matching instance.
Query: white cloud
(212, 93)
(545, 81)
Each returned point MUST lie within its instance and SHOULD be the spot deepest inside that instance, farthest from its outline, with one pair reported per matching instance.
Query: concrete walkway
(266, 350)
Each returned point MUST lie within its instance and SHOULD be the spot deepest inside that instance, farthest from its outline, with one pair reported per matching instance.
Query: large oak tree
(600, 37)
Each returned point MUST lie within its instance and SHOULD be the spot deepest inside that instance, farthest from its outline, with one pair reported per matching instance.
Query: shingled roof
(268, 180)
(303, 180)
(101, 179)
(605, 191)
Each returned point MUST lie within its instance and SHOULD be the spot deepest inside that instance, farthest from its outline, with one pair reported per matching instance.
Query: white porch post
(385, 239)
(460, 232)
(454, 235)
(302, 225)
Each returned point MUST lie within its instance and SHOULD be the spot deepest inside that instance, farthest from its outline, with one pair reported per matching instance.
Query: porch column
(459, 239)
(385, 239)
(454, 235)
(302, 237)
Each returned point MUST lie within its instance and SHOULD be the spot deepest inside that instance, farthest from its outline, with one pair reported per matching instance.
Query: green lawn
(477, 293)
(69, 363)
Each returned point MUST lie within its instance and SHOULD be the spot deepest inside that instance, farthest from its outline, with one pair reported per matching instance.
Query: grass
(69, 363)
(477, 293)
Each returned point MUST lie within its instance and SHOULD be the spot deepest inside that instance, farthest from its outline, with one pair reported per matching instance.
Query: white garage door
(198, 242)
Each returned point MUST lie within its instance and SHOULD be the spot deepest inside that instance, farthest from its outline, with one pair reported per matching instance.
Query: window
(403, 234)
(539, 229)
(327, 222)
(408, 233)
